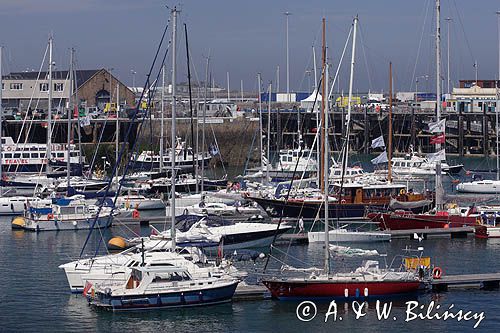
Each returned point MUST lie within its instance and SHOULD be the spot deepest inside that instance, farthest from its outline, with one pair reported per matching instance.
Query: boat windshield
(185, 222)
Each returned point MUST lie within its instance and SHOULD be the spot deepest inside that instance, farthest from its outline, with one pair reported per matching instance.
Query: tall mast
(315, 70)
(162, 121)
(324, 110)
(1, 120)
(203, 128)
(448, 91)
(318, 149)
(497, 106)
(117, 137)
(174, 69)
(351, 80)
(195, 158)
(439, 185)
(323, 96)
(389, 144)
(268, 166)
(287, 62)
(260, 124)
(70, 111)
(48, 168)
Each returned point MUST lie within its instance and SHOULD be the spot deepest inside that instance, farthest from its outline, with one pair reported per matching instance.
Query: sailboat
(365, 282)
(403, 220)
(340, 234)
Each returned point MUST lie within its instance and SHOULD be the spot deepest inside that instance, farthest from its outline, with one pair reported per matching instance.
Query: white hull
(74, 224)
(342, 235)
(483, 186)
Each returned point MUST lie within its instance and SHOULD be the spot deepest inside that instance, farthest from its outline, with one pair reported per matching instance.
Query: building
(479, 83)
(95, 88)
(474, 98)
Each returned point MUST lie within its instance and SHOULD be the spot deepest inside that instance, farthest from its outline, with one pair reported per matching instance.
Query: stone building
(29, 90)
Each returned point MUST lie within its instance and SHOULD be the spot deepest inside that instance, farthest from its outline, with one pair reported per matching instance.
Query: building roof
(82, 76)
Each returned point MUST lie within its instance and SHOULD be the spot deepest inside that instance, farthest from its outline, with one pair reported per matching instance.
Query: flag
(382, 158)
(438, 139)
(378, 142)
(88, 285)
(438, 126)
(437, 156)
(212, 149)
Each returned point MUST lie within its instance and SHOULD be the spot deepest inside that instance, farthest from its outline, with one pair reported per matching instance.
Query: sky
(248, 37)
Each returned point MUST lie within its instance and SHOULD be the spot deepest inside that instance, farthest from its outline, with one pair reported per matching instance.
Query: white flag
(378, 142)
(437, 156)
(438, 126)
(382, 158)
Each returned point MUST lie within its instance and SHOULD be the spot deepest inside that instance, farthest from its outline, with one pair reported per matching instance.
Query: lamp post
(133, 77)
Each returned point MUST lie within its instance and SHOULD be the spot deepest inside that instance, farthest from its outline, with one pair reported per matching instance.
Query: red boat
(403, 220)
(487, 231)
(366, 282)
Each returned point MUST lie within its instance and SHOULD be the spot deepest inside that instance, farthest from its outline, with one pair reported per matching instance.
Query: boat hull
(293, 290)
(420, 221)
(186, 298)
(340, 236)
(74, 224)
(485, 232)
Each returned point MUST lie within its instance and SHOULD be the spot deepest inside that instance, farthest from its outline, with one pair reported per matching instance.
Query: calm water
(34, 296)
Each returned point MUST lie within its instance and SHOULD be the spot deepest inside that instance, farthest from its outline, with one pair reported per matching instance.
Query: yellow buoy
(117, 243)
(18, 223)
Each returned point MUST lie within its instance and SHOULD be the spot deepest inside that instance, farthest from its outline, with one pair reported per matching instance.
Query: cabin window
(295, 154)
(289, 158)
(79, 210)
(8, 155)
(42, 155)
(17, 155)
(26, 155)
(34, 155)
(60, 154)
(283, 158)
(73, 154)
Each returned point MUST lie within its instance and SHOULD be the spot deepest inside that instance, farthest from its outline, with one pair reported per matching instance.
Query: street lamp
(133, 77)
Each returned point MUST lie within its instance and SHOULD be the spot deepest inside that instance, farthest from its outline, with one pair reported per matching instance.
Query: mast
(48, 168)
(195, 158)
(439, 185)
(1, 121)
(287, 62)
(351, 80)
(323, 96)
(117, 138)
(260, 125)
(70, 111)
(162, 119)
(324, 147)
(203, 128)
(174, 69)
(389, 144)
(268, 165)
(498, 97)
(318, 149)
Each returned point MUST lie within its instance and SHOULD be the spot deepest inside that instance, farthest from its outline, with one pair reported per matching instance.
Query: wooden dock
(459, 232)
(254, 292)
(483, 281)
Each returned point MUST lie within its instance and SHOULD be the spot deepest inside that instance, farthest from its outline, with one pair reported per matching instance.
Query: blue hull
(166, 300)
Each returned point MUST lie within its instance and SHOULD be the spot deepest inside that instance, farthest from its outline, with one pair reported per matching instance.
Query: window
(17, 155)
(42, 155)
(3, 86)
(44, 87)
(8, 155)
(60, 154)
(34, 155)
(58, 86)
(26, 155)
(16, 86)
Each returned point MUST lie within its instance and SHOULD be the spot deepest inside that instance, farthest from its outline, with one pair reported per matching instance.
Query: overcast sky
(247, 37)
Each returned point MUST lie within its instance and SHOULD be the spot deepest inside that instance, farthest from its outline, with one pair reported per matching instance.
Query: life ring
(50, 216)
(437, 272)
(135, 214)
(402, 191)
